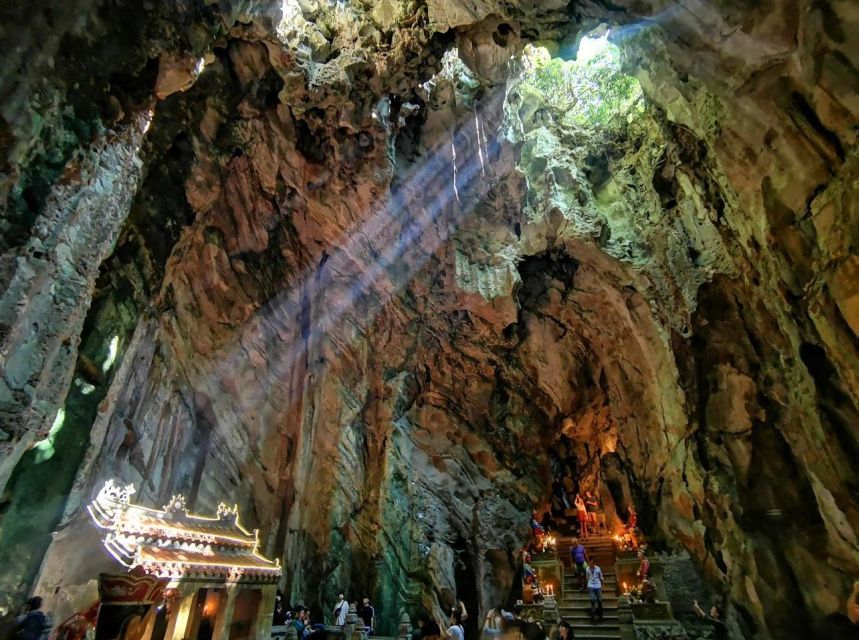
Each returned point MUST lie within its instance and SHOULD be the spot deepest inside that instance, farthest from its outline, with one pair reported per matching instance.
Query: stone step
(575, 602)
(573, 587)
(585, 597)
(584, 609)
(596, 634)
(602, 625)
(583, 617)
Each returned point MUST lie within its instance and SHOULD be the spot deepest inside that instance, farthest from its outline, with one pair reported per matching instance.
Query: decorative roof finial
(111, 492)
(177, 505)
(228, 513)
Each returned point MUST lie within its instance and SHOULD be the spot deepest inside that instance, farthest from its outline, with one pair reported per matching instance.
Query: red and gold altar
(188, 577)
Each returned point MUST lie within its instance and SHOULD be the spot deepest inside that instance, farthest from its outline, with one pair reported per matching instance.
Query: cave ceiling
(354, 267)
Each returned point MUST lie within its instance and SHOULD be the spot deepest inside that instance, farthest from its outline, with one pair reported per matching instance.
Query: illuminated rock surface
(359, 290)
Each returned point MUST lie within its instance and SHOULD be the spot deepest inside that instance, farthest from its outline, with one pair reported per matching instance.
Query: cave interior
(363, 267)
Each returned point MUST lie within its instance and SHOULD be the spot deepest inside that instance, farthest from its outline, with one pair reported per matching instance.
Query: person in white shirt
(340, 611)
(595, 581)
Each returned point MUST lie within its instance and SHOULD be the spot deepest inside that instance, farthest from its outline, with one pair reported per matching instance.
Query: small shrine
(189, 577)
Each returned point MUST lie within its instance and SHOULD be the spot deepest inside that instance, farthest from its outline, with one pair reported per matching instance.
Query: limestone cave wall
(294, 256)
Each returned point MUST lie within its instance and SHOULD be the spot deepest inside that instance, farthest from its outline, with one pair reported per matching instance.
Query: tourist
(565, 631)
(548, 522)
(647, 591)
(720, 631)
(632, 518)
(33, 624)
(309, 626)
(456, 631)
(418, 629)
(298, 619)
(368, 615)
(312, 630)
(431, 630)
(340, 610)
(643, 566)
(595, 582)
(524, 630)
(582, 515)
(579, 557)
(278, 618)
(592, 505)
(463, 614)
(493, 623)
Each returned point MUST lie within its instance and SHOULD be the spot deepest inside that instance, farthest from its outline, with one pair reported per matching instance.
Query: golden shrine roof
(172, 543)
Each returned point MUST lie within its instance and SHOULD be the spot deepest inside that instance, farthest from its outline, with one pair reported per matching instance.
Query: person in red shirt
(632, 520)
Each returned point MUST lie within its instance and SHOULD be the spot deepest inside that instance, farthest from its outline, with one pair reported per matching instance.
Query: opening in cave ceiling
(398, 280)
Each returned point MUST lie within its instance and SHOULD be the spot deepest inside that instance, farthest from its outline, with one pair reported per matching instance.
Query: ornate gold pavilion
(214, 584)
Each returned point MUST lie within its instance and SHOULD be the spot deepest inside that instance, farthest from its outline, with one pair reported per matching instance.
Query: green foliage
(592, 93)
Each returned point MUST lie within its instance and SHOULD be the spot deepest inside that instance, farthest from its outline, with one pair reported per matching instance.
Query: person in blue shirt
(595, 582)
(299, 622)
(579, 556)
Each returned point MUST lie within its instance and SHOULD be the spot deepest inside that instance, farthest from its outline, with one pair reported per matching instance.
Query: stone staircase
(574, 606)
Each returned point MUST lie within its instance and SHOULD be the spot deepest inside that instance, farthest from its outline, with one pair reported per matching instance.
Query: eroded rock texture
(360, 290)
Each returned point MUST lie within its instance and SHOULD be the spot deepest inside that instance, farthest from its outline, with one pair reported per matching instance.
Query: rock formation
(340, 263)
